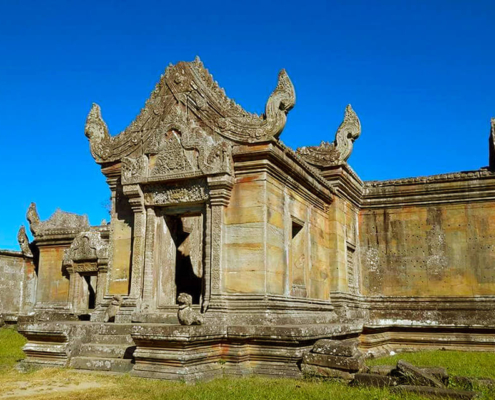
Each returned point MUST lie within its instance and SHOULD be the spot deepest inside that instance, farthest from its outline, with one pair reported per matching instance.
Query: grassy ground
(66, 383)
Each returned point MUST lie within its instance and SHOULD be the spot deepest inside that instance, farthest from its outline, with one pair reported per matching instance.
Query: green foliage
(11, 344)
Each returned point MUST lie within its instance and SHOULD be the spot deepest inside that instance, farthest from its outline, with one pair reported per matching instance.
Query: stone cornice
(346, 182)
(284, 165)
(459, 187)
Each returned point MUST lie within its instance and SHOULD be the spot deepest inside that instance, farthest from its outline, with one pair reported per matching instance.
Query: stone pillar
(149, 259)
(136, 201)
(220, 188)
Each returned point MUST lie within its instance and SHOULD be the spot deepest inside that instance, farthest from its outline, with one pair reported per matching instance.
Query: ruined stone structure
(226, 245)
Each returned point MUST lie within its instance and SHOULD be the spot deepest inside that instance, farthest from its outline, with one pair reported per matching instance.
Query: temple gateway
(228, 253)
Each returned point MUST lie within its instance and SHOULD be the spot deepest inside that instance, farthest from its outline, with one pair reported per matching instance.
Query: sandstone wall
(275, 241)
(53, 284)
(121, 248)
(17, 286)
(428, 245)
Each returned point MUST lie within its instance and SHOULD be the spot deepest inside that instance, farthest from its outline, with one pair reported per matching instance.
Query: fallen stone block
(382, 369)
(463, 382)
(438, 372)
(376, 380)
(343, 348)
(416, 376)
(326, 373)
(435, 392)
(344, 363)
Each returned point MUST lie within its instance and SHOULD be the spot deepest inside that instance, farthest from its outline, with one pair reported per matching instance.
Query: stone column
(149, 259)
(220, 188)
(136, 201)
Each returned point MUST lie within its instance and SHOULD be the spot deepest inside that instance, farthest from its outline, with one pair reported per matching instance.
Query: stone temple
(228, 253)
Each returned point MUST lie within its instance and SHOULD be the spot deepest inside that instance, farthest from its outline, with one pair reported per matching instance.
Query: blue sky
(418, 73)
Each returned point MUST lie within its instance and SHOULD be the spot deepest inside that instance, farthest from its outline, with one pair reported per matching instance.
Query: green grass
(11, 344)
(473, 364)
(124, 387)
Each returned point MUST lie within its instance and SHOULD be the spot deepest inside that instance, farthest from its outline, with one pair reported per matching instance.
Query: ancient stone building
(229, 253)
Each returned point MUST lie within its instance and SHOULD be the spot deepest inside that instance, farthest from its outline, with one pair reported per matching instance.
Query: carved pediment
(87, 251)
(188, 89)
(178, 149)
(335, 153)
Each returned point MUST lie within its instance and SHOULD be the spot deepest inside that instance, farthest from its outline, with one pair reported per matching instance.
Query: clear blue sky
(418, 73)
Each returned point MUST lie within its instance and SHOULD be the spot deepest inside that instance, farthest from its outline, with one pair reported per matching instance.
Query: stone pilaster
(220, 188)
(136, 201)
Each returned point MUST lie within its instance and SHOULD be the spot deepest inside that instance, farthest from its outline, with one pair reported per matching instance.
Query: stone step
(106, 350)
(112, 339)
(101, 364)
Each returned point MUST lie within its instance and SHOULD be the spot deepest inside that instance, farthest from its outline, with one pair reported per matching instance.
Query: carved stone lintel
(24, 242)
(192, 191)
(335, 153)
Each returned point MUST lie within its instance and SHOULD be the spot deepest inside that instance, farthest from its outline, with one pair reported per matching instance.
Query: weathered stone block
(376, 380)
(344, 363)
(323, 372)
(344, 348)
(417, 376)
(382, 369)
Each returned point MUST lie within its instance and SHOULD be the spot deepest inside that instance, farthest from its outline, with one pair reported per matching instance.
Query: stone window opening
(298, 258)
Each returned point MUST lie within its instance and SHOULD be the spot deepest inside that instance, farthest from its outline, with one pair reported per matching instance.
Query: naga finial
(339, 151)
(96, 131)
(24, 242)
(33, 217)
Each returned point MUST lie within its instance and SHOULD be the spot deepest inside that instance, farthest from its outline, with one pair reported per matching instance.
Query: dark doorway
(184, 232)
(91, 290)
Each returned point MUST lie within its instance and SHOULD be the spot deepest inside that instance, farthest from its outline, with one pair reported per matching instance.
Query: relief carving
(86, 251)
(335, 153)
(189, 88)
(134, 169)
(190, 192)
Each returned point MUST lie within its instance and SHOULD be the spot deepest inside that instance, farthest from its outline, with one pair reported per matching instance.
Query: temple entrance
(85, 294)
(179, 256)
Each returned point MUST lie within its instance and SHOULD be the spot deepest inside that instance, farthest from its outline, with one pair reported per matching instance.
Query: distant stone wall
(430, 238)
(17, 284)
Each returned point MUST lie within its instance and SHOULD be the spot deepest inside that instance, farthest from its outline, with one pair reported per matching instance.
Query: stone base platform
(381, 340)
(176, 352)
